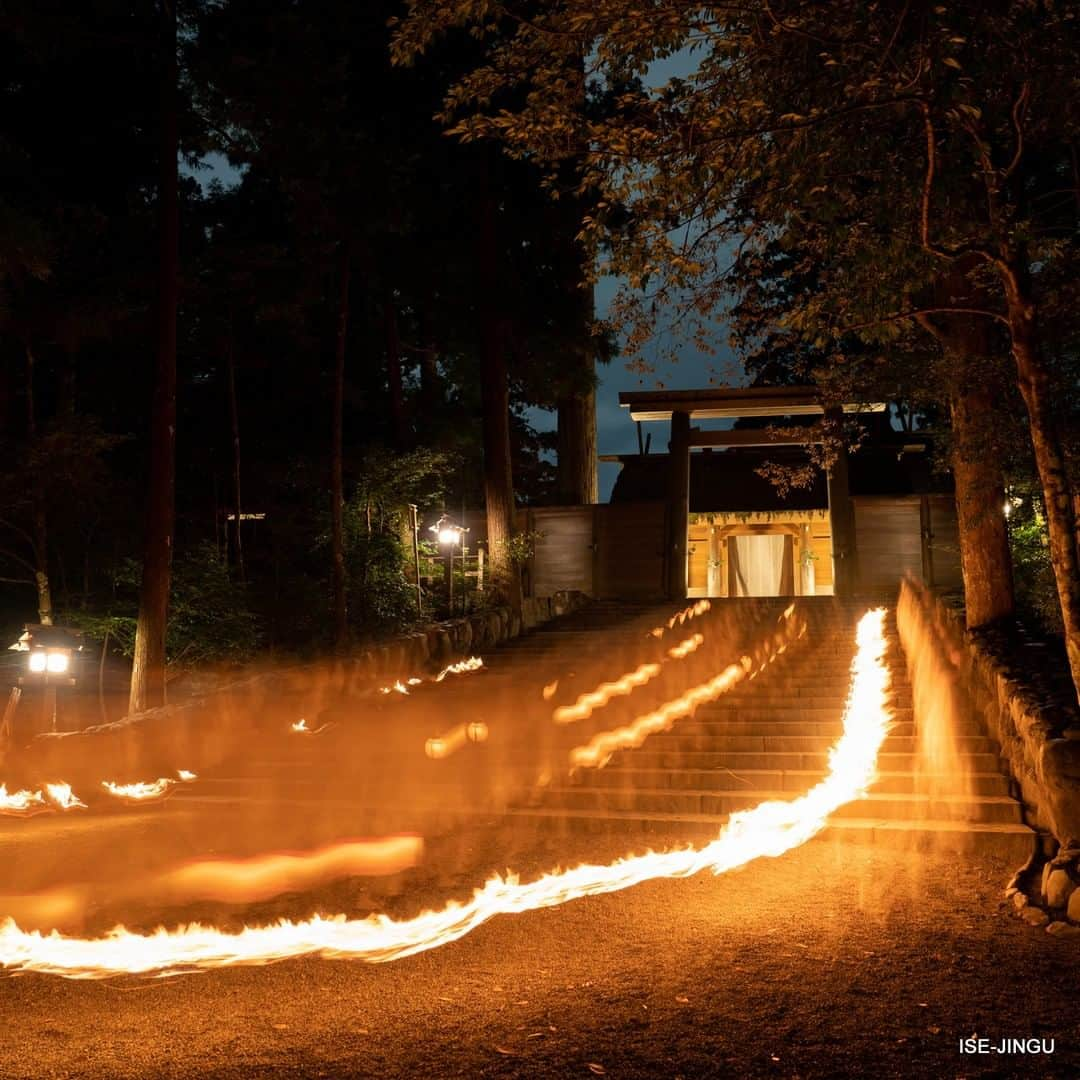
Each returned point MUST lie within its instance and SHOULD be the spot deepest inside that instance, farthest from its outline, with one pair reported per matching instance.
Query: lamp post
(50, 653)
(449, 537)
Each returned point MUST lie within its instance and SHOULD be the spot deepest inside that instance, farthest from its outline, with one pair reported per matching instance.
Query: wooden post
(841, 523)
(414, 516)
(678, 504)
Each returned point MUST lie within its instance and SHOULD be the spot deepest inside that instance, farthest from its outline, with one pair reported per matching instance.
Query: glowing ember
(549, 691)
(185, 775)
(599, 697)
(685, 648)
(769, 829)
(19, 803)
(63, 797)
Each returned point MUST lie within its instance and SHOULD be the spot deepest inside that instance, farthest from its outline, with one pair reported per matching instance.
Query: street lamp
(449, 537)
(50, 654)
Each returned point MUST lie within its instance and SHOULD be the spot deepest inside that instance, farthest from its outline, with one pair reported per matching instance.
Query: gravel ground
(835, 960)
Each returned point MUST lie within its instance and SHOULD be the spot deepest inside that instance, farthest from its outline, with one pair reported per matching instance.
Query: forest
(219, 399)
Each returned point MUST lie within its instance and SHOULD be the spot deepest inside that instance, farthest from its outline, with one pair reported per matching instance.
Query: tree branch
(1019, 110)
(899, 316)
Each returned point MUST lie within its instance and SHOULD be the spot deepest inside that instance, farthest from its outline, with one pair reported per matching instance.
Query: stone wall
(1039, 740)
(217, 718)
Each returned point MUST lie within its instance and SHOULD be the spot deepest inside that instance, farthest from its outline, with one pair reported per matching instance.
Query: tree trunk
(578, 483)
(968, 342)
(1058, 498)
(985, 559)
(148, 668)
(234, 420)
(399, 428)
(41, 522)
(430, 384)
(337, 482)
(495, 403)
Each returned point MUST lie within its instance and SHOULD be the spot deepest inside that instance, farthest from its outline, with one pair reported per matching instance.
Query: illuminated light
(398, 686)
(19, 803)
(57, 663)
(462, 667)
(442, 746)
(685, 648)
(140, 791)
(549, 691)
(245, 881)
(449, 537)
(657, 631)
(186, 776)
(63, 797)
(596, 699)
(37, 661)
(415, 681)
(766, 831)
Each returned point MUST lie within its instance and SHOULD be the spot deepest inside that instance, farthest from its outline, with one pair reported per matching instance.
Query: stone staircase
(769, 739)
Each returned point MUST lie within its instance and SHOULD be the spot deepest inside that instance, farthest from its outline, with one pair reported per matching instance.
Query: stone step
(794, 744)
(829, 730)
(790, 780)
(799, 697)
(652, 757)
(1011, 842)
(787, 713)
(985, 808)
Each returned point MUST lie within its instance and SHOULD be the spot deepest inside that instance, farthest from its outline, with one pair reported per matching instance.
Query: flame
(596, 699)
(685, 648)
(141, 790)
(301, 728)
(549, 691)
(597, 752)
(691, 612)
(21, 803)
(767, 830)
(444, 745)
(462, 667)
(145, 790)
(245, 881)
(63, 797)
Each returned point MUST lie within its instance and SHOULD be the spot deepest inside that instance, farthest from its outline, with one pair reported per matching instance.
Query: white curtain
(757, 564)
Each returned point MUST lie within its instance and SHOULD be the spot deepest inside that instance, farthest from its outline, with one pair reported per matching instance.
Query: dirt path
(832, 961)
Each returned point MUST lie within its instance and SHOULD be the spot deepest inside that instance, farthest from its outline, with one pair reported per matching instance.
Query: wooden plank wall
(631, 543)
(944, 571)
(563, 553)
(888, 542)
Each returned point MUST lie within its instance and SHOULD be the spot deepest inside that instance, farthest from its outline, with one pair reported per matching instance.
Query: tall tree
(148, 665)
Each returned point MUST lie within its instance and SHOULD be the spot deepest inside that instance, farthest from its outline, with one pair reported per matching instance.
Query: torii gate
(683, 406)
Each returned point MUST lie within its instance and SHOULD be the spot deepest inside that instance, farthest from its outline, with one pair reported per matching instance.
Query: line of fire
(539, 539)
